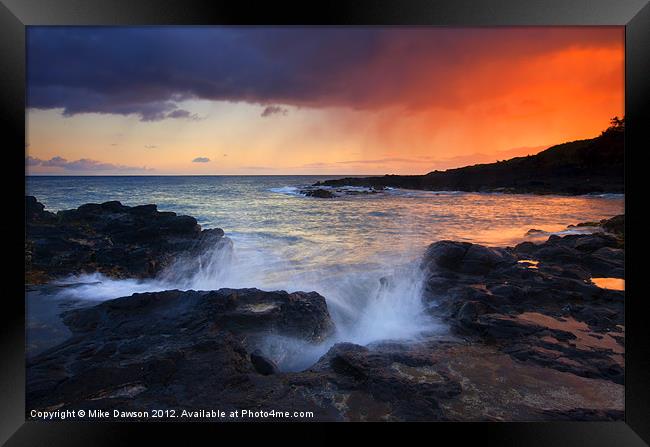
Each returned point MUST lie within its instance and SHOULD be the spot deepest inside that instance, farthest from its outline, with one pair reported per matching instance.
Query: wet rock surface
(535, 302)
(262, 364)
(319, 193)
(531, 338)
(111, 238)
(170, 348)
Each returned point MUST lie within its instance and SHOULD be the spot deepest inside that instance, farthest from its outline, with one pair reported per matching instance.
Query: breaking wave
(367, 305)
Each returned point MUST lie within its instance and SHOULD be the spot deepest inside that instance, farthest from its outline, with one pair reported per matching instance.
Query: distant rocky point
(319, 193)
(330, 193)
(579, 167)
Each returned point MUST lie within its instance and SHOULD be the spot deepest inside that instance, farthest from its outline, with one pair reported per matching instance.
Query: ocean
(283, 240)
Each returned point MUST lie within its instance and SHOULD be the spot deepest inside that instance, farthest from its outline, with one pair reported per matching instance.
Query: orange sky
(509, 94)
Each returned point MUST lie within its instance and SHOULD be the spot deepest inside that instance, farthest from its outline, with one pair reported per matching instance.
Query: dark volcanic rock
(319, 193)
(532, 338)
(110, 238)
(535, 302)
(299, 314)
(596, 254)
(447, 380)
(463, 257)
(263, 365)
(34, 210)
(615, 225)
(171, 348)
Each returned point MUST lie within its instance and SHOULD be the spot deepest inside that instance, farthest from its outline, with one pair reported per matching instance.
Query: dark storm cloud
(148, 71)
(201, 160)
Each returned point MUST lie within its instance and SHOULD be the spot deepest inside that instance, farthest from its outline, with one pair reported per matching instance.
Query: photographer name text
(168, 414)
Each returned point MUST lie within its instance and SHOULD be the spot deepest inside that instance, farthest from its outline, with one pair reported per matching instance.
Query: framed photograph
(368, 212)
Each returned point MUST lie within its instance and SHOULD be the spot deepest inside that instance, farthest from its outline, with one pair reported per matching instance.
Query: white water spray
(366, 305)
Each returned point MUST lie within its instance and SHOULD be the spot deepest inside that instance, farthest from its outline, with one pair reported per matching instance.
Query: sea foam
(366, 306)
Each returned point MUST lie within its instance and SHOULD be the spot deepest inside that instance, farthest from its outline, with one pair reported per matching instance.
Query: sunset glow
(213, 100)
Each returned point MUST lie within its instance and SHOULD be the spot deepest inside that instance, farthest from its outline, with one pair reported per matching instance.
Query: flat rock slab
(535, 302)
(168, 347)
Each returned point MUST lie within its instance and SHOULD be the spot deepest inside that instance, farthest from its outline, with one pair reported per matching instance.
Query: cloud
(83, 164)
(56, 162)
(201, 160)
(273, 110)
(32, 161)
(181, 113)
(149, 71)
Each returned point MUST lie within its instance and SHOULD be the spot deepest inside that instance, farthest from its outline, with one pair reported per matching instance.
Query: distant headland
(578, 167)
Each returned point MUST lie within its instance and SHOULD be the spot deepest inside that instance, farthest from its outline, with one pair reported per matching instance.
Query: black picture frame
(15, 15)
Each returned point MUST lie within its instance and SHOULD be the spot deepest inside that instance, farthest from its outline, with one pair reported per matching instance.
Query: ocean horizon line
(209, 175)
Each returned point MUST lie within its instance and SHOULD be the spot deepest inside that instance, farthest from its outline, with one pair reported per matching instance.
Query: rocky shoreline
(531, 335)
(110, 238)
